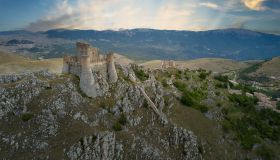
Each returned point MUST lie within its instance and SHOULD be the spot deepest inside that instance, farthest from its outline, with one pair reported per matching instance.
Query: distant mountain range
(237, 44)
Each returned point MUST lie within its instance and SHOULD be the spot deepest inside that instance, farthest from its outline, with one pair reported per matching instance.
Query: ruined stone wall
(88, 62)
(168, 64)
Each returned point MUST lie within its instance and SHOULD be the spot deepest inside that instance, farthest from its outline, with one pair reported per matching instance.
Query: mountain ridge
(151, 44)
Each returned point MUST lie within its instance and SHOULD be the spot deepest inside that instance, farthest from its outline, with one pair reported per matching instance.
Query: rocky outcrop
(102, 146)
(61, 116)
(15, 94)
(181, 137)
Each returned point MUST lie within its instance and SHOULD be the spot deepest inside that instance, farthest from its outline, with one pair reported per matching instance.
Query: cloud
(255, 4)
(161, 14)
(115, 14)
(210, 5)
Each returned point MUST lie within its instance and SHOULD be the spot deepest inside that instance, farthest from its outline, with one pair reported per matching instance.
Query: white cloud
(210, 5)
(115, 14)
(254, 4)
(165, 14)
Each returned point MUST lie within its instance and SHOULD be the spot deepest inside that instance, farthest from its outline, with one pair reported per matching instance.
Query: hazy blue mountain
(238, 44)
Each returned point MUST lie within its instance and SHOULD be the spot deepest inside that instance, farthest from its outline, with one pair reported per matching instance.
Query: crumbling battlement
(87, 60)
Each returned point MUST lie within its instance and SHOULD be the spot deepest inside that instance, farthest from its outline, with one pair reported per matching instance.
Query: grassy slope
(10, 63)
(269, 68)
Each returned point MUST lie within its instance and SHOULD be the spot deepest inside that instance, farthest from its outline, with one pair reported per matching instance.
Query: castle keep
(87, 61)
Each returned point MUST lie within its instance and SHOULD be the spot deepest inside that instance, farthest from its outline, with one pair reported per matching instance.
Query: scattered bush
(123, 119)
(221, 85)
(265, 152)
(181, 86)
(187, 99)
(140, 73)
(145, 104)
(203, 75)
(117, 126)
(251, 126)
(27, 116)
(192, 99)
(221, 78)
(218, 93)
(164, 83)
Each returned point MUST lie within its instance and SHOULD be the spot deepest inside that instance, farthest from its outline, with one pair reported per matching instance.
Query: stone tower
(111, 69)
(87, 82)
(65, 68)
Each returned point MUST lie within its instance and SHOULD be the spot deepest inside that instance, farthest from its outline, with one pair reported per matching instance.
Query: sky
(196, 15)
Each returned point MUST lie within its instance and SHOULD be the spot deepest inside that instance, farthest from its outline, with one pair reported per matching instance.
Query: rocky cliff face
(46, 116)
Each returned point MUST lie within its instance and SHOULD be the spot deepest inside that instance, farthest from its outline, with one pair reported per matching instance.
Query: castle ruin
(87, 61)
(168, 64)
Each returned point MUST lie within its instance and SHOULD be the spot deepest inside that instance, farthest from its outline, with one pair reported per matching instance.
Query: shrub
(117, 126)
(181, 86)
(122, 119)
(226, 126)
(164, 83)
(145, 104)
(141, 74)
(243, 101)
(27, 116)
(218, 93)
(221, 78)
(221, 85)
(203, 108)
(203, 75)
(251, 126)
(265, 152)
(187, 99)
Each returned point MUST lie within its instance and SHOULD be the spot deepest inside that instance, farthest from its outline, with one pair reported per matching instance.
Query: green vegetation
(245, 88)
(203, 74)
(266, 152)
(140, 73)
(191, 98)
(181, 86)
(117, 126)
(27, 116)
(221, 78)
(221, 85)
(121, 75)
(164, 83)
(251, 126)
(122, 119)
(244, 74)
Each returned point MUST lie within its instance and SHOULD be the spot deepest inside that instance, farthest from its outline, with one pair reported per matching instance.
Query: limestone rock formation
(99, 147)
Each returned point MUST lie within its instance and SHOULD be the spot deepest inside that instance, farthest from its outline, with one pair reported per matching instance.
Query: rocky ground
(46, 116)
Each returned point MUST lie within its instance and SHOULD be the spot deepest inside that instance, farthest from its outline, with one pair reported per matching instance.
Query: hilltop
(269, 68)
